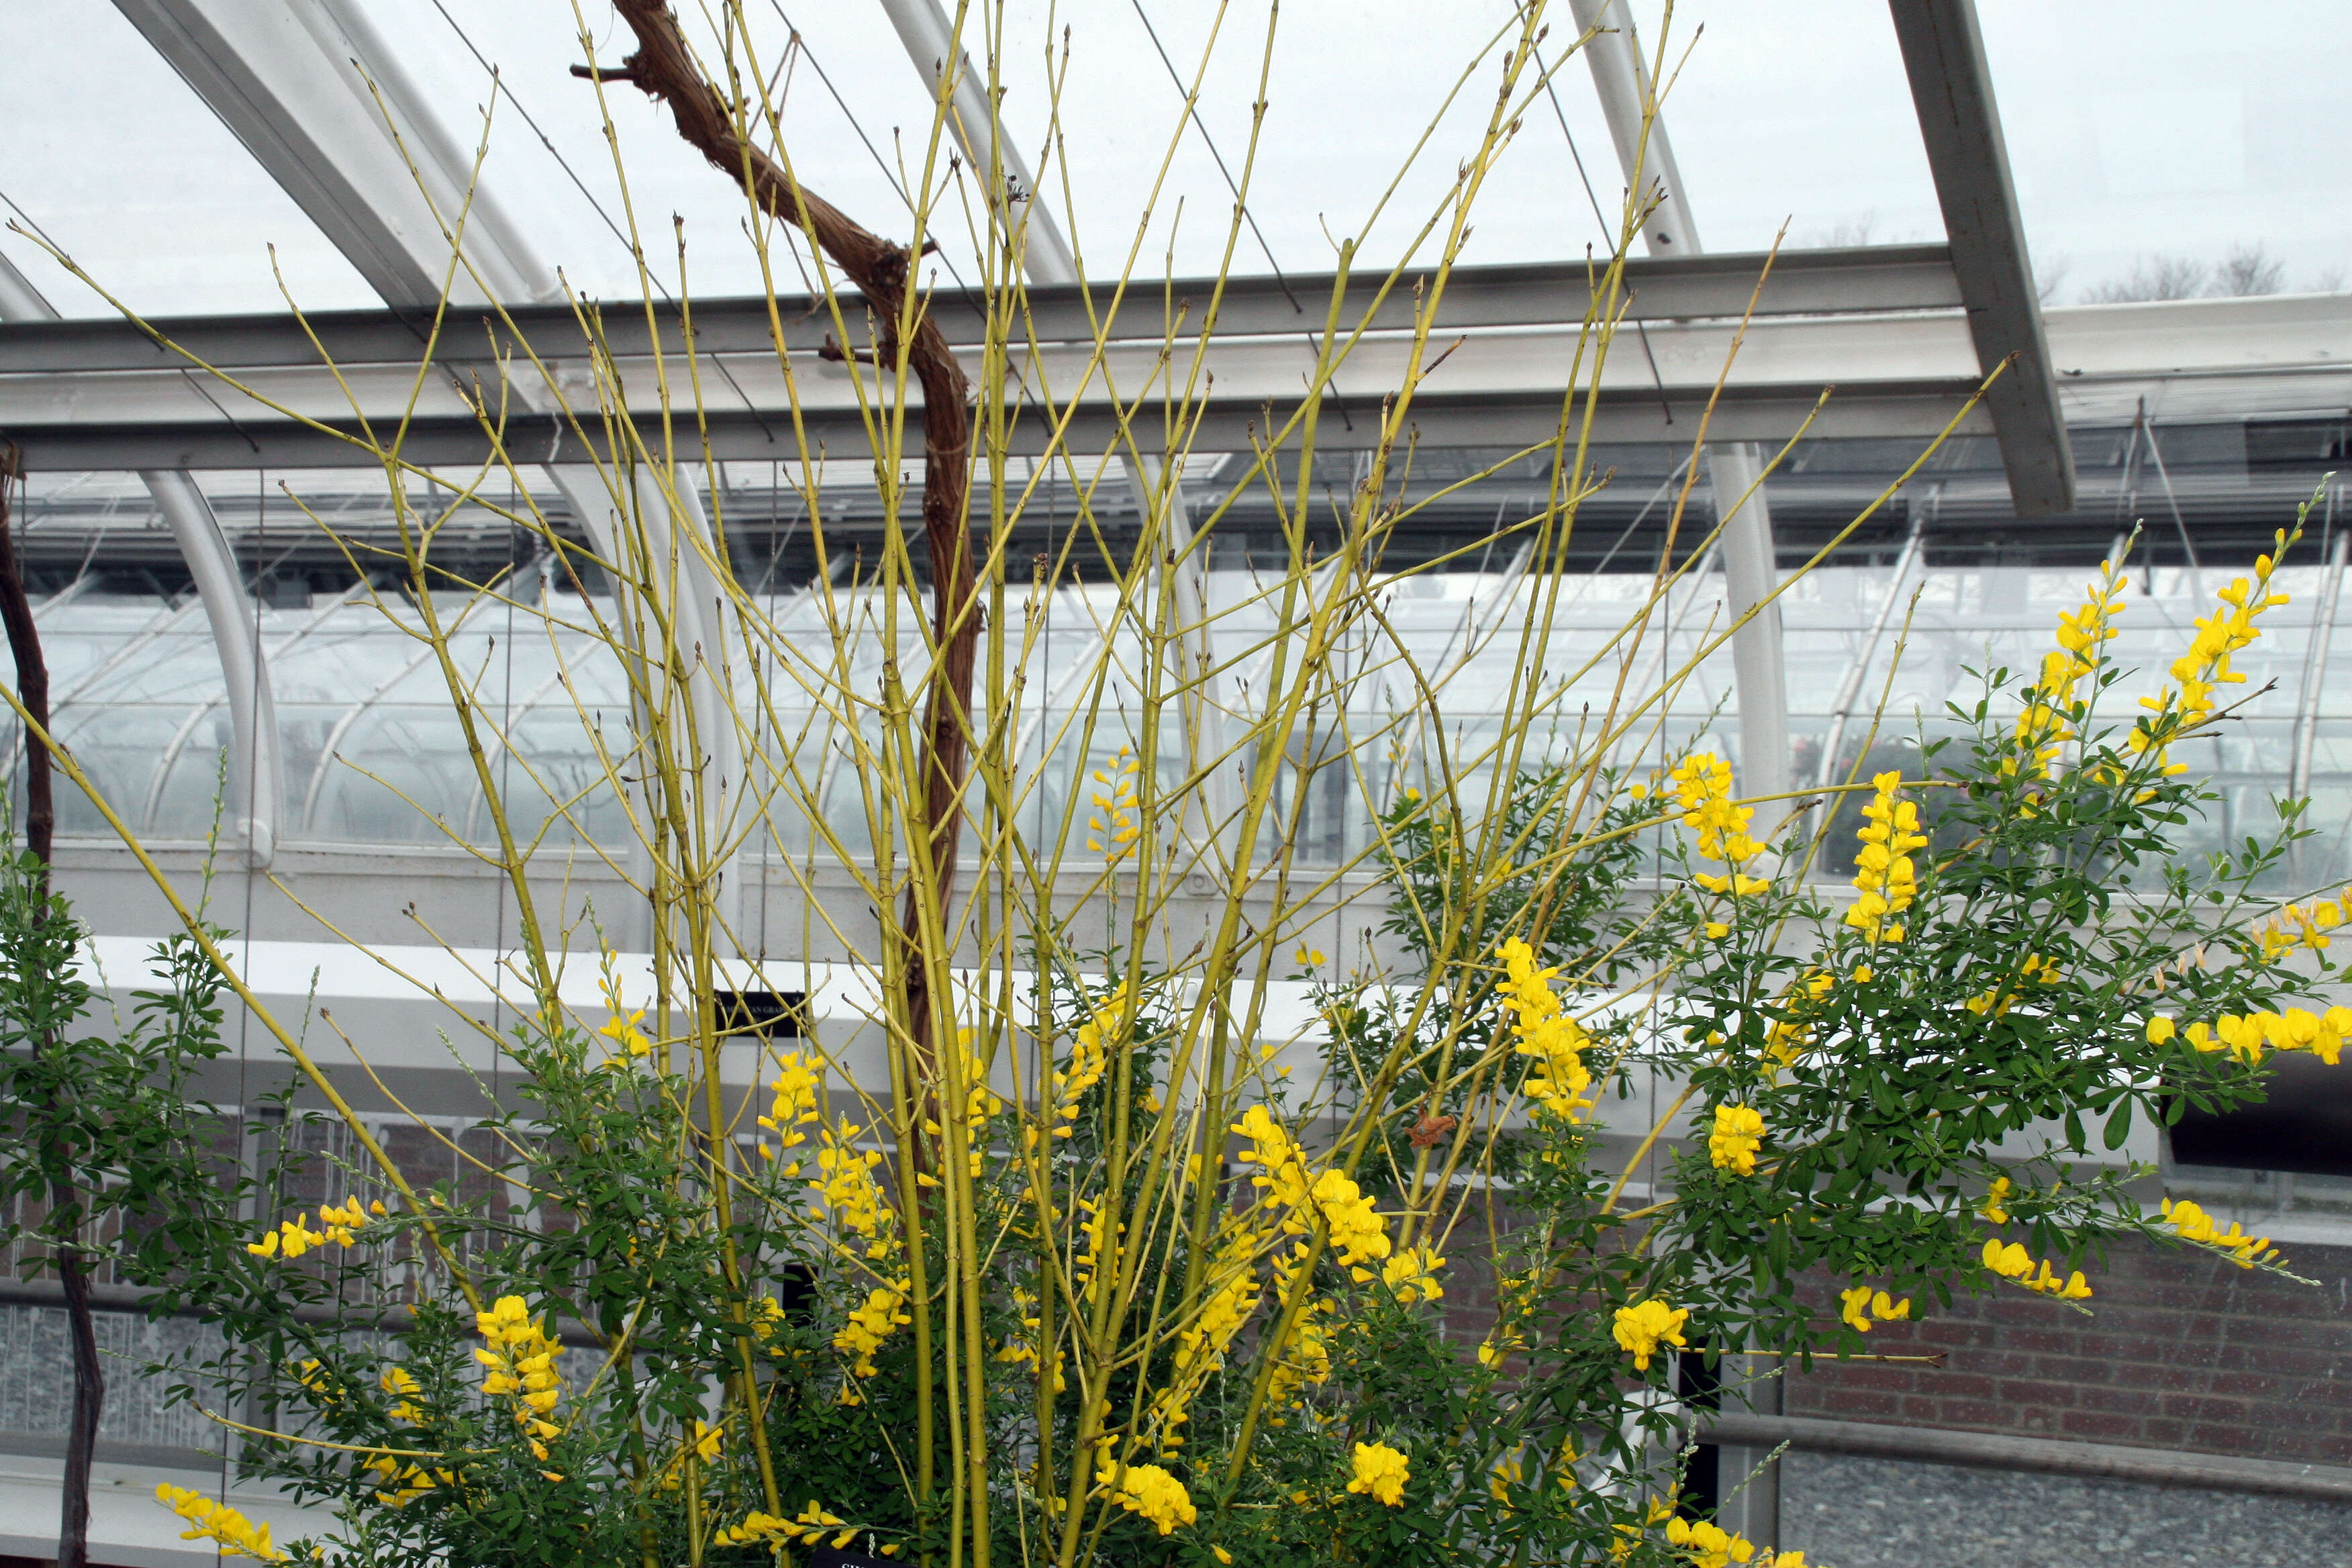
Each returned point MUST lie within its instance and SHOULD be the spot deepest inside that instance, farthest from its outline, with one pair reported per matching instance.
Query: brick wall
(2182, 1350)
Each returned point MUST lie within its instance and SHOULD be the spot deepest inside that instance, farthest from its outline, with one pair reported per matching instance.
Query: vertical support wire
(2314, 656)
(1850, 689)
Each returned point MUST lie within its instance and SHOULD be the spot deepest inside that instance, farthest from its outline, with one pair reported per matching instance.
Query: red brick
(2019, 1392)
(1974, 1413)
(2098, 1427)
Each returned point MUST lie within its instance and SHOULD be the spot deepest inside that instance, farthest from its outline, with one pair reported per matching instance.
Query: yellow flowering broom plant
(1029, 1241)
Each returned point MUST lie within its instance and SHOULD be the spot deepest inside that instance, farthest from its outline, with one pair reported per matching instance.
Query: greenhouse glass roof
(169, 162)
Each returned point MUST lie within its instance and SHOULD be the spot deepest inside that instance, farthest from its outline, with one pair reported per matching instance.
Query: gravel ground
(1849, 1512)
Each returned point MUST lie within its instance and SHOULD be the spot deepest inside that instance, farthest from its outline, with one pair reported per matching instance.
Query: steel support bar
(1951, 88)
(1850, 689)
(1750, 573)
(1845, 283)
(1622, 79)
(257, 778)
(1909, 411)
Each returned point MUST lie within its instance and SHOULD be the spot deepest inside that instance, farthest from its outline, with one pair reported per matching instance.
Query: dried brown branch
(56, 1153)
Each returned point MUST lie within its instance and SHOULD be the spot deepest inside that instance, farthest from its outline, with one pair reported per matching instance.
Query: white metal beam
(1881, 365)
(1749, 572)
(323, 104)
(256, 777)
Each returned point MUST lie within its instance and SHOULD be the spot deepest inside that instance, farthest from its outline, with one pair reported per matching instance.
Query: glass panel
(118, 748)
(554, 761)
(421, 780)
(193, 229)
(186, 797)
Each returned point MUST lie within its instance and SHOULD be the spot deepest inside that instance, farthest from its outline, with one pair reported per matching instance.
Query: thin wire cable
(880, 163)
(193, 380)
(1192, 113)
(498, 85)
(1551, 91)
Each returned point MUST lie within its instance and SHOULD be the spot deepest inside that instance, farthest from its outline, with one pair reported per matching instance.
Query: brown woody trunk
(664, 69)
(40, 828)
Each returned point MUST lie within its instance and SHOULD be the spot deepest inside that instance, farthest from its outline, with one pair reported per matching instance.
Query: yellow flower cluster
(1282, 1165)
(1641, 1330)
(1113, 828)
(811, 1526)
(846, 1190)
(1090, 1046)
(1101, 1241)
(1995, 1205)
(235, 1535)
(1708, 1545)
(979, 1103)
(1305, 1358)
(622, 1027)
(2013, 1262)
(868, 1326)
(1861, 1306)
(1151, 1491)
(294, 1238)
(1516, 1299)
(2323, 1035)
(1885, 879)
(1381, 1474)
(1739, 1133)
(519, 1361)
(1021, 1349)
(401, 1385)
(799, 1087)
(1702, 789)
(1999, 999)
(2299, 925)
(1359, 1234)
(1202, 1345)
(1413, 1275)
(2046, 723)
(1555, 1040)
(400, 1485)
(2194, 1223)
(2205, 668)
(1789, 1039)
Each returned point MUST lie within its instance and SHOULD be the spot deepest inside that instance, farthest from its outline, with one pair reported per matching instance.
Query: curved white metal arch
(257, 780)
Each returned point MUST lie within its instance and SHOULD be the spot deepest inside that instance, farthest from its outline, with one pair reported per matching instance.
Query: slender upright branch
(664, 69)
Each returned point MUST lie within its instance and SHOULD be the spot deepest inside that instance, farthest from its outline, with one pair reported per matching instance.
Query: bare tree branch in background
(2249, 268)
(57, 1150)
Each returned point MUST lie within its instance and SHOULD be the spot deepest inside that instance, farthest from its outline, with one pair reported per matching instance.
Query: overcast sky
(2133, 127)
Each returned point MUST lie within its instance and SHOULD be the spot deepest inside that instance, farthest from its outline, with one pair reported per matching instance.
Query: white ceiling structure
(323, 104)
